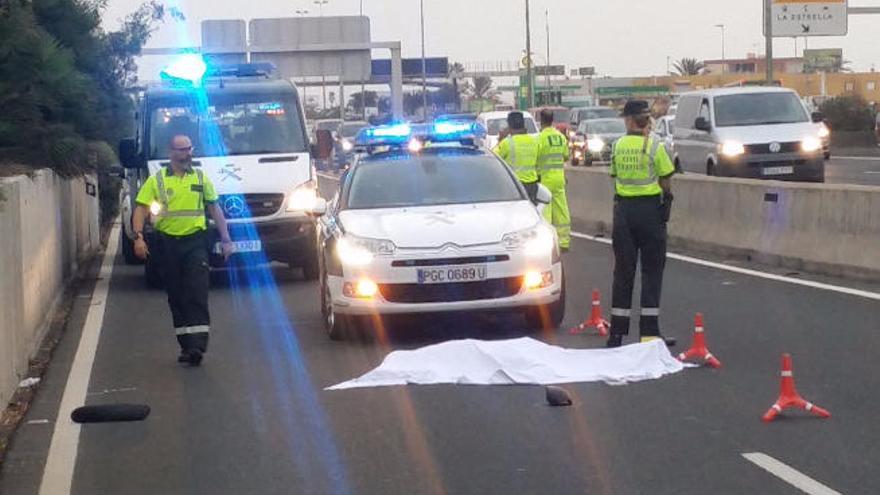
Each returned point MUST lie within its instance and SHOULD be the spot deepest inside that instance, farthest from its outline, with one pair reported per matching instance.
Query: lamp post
(547, 26)
(363, 84)
(424, 64)
(530, 98)
(321, 4)
(723, 56)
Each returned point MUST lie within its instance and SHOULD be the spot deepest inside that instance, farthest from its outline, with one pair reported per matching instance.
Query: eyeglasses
(187, 148)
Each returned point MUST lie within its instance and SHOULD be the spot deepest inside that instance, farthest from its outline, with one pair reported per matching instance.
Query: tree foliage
(689, 67)
(64, 81)
(848, 113)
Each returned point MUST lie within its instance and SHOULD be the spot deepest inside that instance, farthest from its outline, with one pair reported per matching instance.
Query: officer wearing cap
(553, 152)
(642, 173)
(178, 196)
(520, 151)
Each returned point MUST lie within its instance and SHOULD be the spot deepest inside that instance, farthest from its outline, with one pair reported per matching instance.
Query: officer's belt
(557, 166)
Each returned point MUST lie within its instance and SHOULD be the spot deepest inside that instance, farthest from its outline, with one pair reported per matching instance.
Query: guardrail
(818, 228)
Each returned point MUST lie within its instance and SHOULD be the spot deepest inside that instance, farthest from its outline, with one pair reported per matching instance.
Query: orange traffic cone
(789, 397)
(595, 321)
(698, 348)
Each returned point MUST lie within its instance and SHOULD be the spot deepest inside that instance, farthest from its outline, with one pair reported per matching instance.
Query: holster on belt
(666, 207)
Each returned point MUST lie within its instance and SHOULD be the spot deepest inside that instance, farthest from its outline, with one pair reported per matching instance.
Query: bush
(848, 113)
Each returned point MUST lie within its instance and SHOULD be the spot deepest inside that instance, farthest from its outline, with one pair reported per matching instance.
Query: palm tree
(482, 88)
(689, 67)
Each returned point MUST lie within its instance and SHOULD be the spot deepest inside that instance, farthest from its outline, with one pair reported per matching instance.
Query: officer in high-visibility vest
(520, 151)
(178, 196)
(553, 153)
(642, 174)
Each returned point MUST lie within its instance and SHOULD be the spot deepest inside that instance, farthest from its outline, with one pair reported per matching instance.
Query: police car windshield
(441, 177)
(494, 127)
(759, 109)
(228, 126)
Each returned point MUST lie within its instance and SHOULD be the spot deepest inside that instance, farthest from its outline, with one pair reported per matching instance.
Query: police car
(427, 221)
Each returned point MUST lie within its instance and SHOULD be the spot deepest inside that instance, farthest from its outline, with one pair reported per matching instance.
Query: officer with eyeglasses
(179, 196)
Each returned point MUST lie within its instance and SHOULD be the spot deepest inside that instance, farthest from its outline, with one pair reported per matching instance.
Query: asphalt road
(853, 170)
(255, 419)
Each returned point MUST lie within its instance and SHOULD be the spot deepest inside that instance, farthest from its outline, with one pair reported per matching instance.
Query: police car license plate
(778, 171)
(241, 247)
(452, 274)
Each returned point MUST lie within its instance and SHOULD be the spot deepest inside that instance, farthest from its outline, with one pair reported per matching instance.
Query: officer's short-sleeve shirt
(183, 195)
(630, 162)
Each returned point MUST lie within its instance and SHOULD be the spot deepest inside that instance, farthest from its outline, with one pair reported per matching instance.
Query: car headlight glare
(536, 241)
(811, 144)
(824, 131)
(732, 148)
(303, 198)
(595, 145)
(347, 145)
(358, 251)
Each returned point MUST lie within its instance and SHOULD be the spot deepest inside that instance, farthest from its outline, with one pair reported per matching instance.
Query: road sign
(552, 70)
(823, 60)
(587, 71)
(435, 67)
(795, 18)
(632, 91)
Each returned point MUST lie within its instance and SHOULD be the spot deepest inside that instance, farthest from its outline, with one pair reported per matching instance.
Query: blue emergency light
(189, 67)
(397, 135)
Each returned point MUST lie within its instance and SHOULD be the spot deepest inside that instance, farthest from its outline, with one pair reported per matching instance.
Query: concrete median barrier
(47, 226)
(826, 229)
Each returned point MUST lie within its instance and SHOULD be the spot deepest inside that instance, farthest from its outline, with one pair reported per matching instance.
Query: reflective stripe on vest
(652, 173)
(163, 198)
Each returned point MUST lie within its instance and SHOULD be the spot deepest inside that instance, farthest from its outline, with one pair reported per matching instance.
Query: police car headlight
(535, 242)
(732, 148)
(595, 145)
(347, 145)
(303, 198)
(359, 251)
(811, 144)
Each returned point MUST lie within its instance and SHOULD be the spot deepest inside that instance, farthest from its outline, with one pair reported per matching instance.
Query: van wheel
(710, 169)
(310, 268)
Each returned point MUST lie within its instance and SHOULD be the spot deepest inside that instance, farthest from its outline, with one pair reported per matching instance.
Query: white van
(249, 137)
(756, 132)
(496, 122)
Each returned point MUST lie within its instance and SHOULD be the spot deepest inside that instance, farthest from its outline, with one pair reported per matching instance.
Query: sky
(618, 37)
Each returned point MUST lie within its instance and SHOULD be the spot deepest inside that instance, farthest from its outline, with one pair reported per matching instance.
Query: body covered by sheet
(518, 362)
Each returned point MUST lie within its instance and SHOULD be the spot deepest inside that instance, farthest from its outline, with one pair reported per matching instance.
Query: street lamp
(321, 4)
(723, 61)
(424, 64)
(547, 68)
(530, 98)
(363, 84)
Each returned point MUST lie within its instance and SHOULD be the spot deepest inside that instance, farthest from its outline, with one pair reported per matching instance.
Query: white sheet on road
(518, 362)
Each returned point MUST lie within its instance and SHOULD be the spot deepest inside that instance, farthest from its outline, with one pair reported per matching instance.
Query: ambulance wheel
(128, 249)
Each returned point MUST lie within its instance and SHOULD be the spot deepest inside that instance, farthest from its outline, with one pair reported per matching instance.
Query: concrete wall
(48, 225)
(827, 229)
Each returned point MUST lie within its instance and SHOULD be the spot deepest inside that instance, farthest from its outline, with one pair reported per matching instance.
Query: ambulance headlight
(303, 198)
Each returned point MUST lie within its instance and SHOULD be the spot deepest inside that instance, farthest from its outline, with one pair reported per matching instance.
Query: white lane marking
(754, 273)
(58, 473)
(789, 474)
(872, 171)
(857, 158)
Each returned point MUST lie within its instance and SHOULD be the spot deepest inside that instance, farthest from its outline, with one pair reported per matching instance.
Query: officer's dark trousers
(186, 275)
(639, 236)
